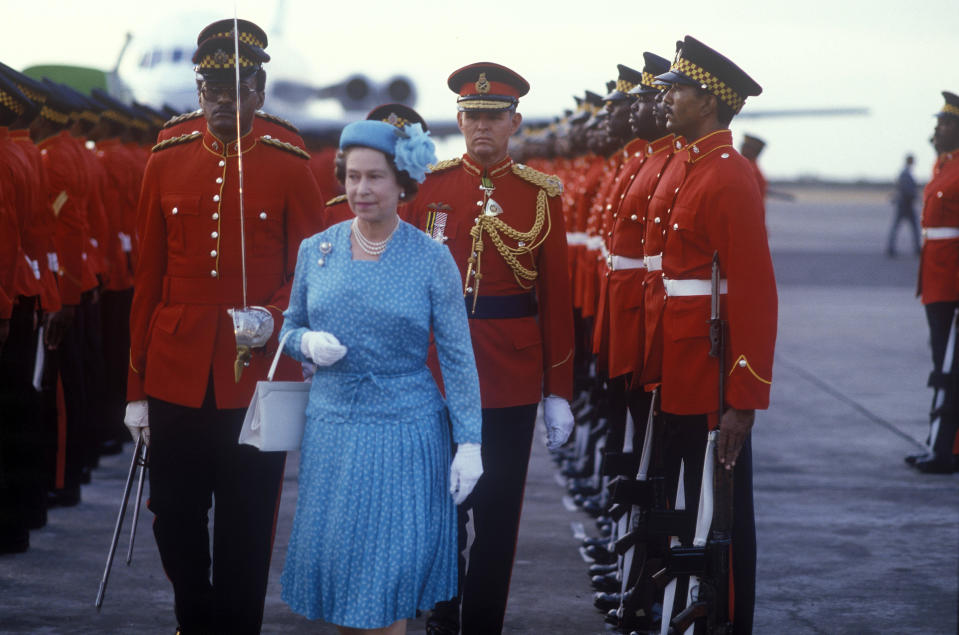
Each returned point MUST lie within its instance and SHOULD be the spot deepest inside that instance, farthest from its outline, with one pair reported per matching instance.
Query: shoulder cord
(493, 226)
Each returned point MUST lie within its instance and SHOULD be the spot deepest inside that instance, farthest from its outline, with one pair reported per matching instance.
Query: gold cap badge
(482, 84)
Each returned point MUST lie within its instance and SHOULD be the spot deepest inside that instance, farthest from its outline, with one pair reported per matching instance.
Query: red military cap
(487, 86)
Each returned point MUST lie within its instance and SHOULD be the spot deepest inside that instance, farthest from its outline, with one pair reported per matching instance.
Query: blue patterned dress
(374, 536)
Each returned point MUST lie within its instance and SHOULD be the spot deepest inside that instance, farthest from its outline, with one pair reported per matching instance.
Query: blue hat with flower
(411, 148)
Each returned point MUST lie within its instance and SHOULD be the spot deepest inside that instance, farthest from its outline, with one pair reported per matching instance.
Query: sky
(888, 56)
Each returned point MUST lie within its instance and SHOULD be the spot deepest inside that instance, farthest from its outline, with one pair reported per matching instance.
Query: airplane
(155, 69)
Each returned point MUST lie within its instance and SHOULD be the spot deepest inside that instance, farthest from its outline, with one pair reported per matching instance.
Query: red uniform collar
(663, 143)
(22, 133)
(499, 169)
(4, 132)
(709, 144)
(634, 148)
(214, 145)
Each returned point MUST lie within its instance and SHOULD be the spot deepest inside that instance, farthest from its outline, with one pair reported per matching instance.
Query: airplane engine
(399, 90)
(356, 94)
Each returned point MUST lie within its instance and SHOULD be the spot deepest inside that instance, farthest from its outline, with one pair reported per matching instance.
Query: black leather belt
(501, 307)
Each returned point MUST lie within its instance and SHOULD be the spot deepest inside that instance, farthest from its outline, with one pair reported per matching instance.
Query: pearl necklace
(372, 247)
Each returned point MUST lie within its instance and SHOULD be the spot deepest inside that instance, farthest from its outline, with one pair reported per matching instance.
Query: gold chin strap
(488, 222)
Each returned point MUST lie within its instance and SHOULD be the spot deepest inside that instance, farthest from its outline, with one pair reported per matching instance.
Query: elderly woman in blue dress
(374, 536)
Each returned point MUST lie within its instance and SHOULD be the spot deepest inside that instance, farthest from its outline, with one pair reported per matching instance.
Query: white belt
(576, 238)
(676, 288)
(34, 266)
(940, 233)
(594, 242)
(654, 263)
(617, 263)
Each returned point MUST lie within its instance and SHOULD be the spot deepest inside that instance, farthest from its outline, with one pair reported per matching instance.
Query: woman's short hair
(406, 182)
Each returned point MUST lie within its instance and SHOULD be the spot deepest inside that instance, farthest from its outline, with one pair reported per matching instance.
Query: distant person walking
(905, 199)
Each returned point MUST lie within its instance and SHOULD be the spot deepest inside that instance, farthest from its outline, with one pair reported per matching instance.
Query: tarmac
(850, 539)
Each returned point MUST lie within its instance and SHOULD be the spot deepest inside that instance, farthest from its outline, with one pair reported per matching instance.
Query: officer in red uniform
(503, 223)
(715, 207)
(939, 283)
(182, 382)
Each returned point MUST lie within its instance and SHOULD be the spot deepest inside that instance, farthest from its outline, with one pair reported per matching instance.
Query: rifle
(140, 452)
(708, 594)
(638, 505)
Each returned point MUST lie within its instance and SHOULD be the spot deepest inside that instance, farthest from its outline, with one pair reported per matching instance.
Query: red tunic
(17, 175)
(120, 196)
(658, 187)
(585, 266)
(99, 255)
(625, 285)
(67, 196)
(939, 263)
(189, 271)
(717, 208)
(631, 157)
(760, 178)
(38, 238)
(263, 124)
(592, 258)
(9, 247)
(518, 359)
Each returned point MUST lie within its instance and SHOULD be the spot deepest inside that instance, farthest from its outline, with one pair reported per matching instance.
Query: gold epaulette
(445, 165)
(287, 147)
(181, 118)
(336, 199)
(277, 120)
(549, 182)
(175, 141)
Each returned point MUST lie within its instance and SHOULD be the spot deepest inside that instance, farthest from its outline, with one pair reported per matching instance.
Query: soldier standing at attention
(938, 287)
(709, 202)
(182, 381)
(503, 223)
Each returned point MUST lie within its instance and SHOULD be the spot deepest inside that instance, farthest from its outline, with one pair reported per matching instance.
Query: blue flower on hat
(415, 152)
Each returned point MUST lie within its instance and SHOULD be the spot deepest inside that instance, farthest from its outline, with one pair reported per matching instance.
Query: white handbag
(277, 414)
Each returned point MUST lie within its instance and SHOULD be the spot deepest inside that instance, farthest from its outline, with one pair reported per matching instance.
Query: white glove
(322, 348)
(136, 420)
(559, 421)
(466, 469)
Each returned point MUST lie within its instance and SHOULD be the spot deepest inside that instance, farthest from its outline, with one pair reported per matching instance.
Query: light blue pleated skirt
(374, 536)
